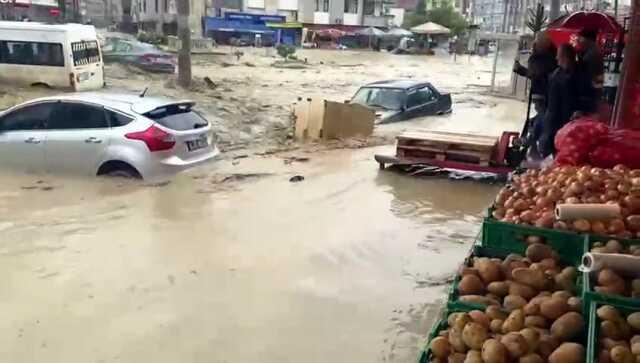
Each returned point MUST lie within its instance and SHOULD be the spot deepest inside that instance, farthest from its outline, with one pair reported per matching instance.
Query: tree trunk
(554, 10)
(160, 14)
(184, 34)
(505, 16)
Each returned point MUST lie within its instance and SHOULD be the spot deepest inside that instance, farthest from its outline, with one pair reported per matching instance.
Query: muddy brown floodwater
(231, 262)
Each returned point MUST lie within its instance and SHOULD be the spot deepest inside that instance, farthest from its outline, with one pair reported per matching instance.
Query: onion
(615, 226)
(510, 202)
(582, 225)
(633, 203)
(598, 227)
(572, 200)
(543, 202)
(520, 205)
(620, 168)
(624, 188)
(560, 225)
(634, 173)
(633, 222)
(527, 216)
(498, 213)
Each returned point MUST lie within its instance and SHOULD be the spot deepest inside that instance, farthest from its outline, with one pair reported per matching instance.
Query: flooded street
(232, 262)
(330, 269)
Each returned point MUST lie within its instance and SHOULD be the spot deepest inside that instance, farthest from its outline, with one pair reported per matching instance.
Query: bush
(286, 51)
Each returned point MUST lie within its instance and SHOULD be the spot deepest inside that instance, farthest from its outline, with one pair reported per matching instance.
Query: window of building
(351, 6)
(77, 116)
(322, 5)
(31, 53)
(369, 7)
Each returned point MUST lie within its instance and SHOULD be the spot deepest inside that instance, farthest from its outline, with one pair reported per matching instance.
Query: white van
(54, 55)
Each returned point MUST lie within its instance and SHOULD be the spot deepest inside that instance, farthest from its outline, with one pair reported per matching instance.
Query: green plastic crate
(594, 323)
(501, 235)
(589, 295)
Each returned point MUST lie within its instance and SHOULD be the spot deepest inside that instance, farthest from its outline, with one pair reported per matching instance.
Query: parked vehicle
(105, 134)
(142, 55)
(51, 55)
(397, 100)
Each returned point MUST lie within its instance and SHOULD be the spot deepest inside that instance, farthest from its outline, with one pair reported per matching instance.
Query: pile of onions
(531, 198)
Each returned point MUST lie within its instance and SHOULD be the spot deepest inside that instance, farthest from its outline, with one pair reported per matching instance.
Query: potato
(480, 317)
(609, 343)
(635, 348)
(533, 239)
(568, 353)
(474, 335)
(604, 356)
(532, 308)
(634, 320)
(508, 269)
(567, 326)
(473, 356)
(465, 270)
(617, 289)
(494, 312)
(537, 252)
(614, 246)
(478, 299)
(527, 292)
(499, 288)
(489, 271)
(625, 329)
(609, 329)
(607, 277)
(440, 347)
(564, 282)
(547, 345)
(456, 358)
(575, 304)
(564, 295)
(516, 345)
(532, 337)
(531, 277)
(470, 285)
(608, 312)
(620, 354)
(553, 307)
(513, 302)
(514, 322)
(496, 326)
(456, 341)
(531, 358)
(536, 321)
(494, 352)
(635, 339)
(453, 317)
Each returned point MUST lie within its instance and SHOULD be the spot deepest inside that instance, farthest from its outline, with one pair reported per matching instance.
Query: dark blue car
(397, 100)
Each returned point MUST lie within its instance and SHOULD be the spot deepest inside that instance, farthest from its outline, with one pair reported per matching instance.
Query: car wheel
(122, 173)
(118, 169)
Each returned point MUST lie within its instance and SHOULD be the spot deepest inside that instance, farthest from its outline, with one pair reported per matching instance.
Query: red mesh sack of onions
(576, 139)
(618, 147)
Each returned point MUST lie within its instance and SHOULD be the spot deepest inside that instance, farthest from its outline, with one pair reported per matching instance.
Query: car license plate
(84, 76)
(198, 143)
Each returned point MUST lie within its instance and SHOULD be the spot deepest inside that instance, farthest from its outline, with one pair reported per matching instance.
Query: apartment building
(344, 12)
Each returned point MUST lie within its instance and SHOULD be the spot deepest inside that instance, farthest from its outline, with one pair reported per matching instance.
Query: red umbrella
(595, 20)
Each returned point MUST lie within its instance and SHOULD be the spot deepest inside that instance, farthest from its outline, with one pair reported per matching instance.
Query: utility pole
(184, 34)
(160, 15)
(554, 10)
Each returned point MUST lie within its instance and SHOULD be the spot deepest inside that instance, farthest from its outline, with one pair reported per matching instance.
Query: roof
(28, 25)
(430, 28)
(405, 84)
(125, 102)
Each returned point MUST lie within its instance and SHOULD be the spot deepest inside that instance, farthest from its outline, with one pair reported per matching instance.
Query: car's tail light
(156, 139)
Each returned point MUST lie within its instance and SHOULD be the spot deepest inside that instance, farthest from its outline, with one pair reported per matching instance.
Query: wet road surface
(335, 268)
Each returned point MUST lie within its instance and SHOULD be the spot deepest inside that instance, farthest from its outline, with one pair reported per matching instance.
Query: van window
(178, 117)
(32, 117)
(85, 52)
(31, 53)
(69, 116)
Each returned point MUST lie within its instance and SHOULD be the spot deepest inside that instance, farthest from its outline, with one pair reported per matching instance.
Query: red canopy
(565, 29)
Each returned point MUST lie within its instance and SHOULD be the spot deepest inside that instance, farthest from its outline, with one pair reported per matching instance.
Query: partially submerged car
(397, 100)
(142, 55)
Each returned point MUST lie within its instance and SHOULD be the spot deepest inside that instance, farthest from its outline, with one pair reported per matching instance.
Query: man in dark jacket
(562, 99)
(590, 71)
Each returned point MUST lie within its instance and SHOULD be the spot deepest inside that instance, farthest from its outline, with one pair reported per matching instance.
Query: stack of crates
(499, 239)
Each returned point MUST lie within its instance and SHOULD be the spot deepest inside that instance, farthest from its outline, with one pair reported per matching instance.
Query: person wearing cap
(590, 70)
(540, 65)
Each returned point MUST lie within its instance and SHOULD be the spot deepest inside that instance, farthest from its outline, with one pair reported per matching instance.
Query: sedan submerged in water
(398, 100)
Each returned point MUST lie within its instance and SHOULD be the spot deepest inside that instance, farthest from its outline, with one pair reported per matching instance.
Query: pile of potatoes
(516, 281)
(608, 281)
(618, 337)
(494, 336)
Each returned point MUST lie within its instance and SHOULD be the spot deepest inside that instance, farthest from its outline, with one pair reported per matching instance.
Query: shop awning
(292, 25)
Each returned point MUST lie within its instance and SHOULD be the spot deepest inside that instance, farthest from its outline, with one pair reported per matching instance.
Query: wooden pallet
(446, 146)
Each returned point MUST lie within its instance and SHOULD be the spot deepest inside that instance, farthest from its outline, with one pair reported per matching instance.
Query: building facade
(363, 13)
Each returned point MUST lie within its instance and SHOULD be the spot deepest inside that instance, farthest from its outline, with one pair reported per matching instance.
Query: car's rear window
(177, 117)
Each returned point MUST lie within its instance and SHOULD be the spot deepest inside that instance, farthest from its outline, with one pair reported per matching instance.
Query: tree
(537, 19)
(184, 33)
(445, 16)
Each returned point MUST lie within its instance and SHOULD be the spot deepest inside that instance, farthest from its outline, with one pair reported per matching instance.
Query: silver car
(105, 134)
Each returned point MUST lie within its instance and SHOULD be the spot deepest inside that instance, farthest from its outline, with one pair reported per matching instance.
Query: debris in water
(211, 84)
(293, 159)
(296, 179)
